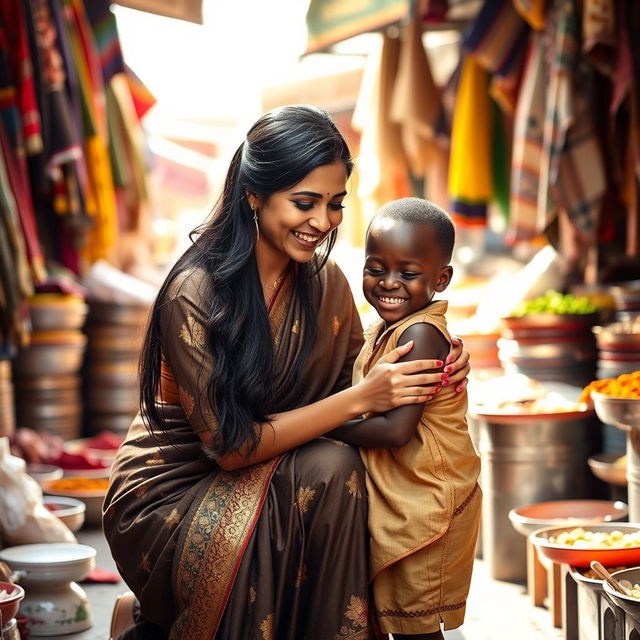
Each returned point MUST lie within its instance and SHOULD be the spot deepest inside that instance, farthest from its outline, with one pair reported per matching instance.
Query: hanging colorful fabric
(470, 179)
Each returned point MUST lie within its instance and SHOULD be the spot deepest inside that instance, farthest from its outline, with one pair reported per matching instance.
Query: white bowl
(68, 510)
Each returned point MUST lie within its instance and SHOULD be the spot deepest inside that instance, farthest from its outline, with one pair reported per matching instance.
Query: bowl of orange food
(90, 491)
(616, 400)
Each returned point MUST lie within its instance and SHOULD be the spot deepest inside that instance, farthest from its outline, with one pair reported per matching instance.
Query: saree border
(213, 548)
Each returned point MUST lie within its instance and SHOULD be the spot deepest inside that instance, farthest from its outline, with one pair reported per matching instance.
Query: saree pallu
(276, 550)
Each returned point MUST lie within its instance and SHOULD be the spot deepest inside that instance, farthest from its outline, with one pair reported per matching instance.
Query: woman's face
(294, 222)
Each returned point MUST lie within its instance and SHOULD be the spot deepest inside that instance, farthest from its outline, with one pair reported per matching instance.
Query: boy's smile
(404, 268)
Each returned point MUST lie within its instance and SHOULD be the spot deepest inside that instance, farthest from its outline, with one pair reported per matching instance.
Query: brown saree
(274, 551)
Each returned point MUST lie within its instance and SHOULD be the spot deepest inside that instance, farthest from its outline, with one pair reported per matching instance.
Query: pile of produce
(556, 303)
(580, 538)
(626, 385)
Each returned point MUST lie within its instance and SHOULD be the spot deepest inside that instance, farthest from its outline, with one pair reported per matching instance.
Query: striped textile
(526, 156)
(497, 38)
(572, 175)
(533, 11)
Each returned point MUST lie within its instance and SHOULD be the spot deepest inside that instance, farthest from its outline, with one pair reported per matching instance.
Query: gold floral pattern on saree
(141, 489)
(252, 595)
(353, 484)
(296, 327)
(335, 326)
(146, 563)
(186, 401)
(192, 332)
(173, 518)
(155, 459)
(356, 617)
(303, 499)
(266, 626)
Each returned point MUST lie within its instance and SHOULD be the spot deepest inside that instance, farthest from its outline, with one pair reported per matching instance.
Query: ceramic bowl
(44, 472)
(529, 518)
(68, 510)
(9, 605)
(582, 557)
(92, 499)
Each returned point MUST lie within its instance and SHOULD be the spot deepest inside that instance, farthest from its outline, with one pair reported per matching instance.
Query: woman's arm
(394, 428)
(386, 385)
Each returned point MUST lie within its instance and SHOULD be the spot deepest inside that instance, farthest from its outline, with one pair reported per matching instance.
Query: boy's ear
(445, 278)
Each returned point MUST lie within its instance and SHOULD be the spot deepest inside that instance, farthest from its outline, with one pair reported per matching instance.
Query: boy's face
(404, 267)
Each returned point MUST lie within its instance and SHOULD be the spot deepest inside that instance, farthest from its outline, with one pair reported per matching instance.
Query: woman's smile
(308, 240)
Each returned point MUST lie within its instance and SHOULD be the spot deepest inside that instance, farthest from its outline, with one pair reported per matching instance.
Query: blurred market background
(519, 117)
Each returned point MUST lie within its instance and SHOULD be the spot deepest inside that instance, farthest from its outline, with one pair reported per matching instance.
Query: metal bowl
(49, 360)
(531, 517)
(118, 314)
(629, 604)
(581, 557)
(621, 412)
(51, 316)
(605, 466)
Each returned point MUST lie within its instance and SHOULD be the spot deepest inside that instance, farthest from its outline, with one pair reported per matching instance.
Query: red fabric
(102, 576)
(12, 14)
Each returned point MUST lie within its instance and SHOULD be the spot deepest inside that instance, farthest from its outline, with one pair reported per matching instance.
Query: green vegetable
(555, 302)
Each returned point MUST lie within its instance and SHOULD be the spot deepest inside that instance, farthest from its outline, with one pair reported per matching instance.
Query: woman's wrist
(356, 401)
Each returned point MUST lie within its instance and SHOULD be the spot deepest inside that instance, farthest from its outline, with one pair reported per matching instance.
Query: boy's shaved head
(419, 211)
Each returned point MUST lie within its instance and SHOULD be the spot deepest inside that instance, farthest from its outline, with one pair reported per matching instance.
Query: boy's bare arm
(394, 428)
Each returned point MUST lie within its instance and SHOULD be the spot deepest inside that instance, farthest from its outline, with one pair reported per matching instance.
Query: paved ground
(496, 611)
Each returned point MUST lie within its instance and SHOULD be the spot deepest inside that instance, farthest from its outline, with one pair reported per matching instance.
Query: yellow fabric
(532, 11)
(470, 178)
(415, 492)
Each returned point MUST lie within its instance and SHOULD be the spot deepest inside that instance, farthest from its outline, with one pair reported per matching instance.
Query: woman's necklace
(270, 291)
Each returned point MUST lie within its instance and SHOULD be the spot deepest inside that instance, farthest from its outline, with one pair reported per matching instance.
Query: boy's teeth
(392, 300)
(304, 236)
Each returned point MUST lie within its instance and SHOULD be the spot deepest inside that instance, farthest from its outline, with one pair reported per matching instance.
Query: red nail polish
(444, 376)
(447, 369)
(439, 363)
(445, 383)
(458, 389)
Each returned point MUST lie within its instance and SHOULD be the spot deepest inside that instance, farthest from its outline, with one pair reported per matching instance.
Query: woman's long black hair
(280, 149)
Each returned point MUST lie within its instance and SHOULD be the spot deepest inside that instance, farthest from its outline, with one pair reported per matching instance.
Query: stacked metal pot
(48, 392)
(115, 333)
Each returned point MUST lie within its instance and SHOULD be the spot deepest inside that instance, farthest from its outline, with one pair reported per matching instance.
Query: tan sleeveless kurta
(424, 502)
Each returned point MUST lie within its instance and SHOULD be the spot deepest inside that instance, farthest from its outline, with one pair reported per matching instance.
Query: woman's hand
(391, 384)
(457, 365)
